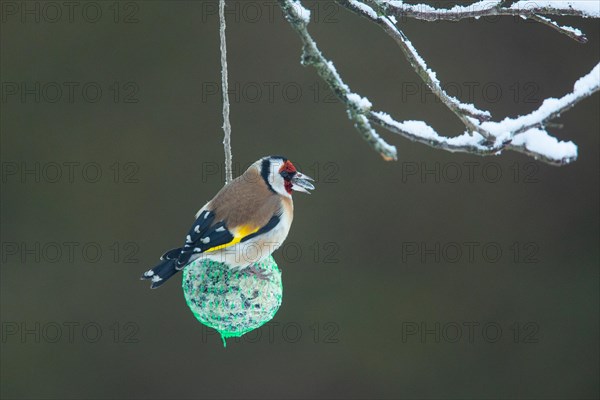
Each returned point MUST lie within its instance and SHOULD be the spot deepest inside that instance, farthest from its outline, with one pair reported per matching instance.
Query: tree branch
(420, 132)
(525, 134)
(356, 108)
(489, 8)
(428, 76)
(573, 33)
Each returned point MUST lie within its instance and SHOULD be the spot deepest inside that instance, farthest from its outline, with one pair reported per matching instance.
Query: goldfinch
(245, 222)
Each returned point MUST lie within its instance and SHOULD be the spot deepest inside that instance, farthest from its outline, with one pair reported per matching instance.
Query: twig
(461, 110)
(420, 132)
(225, 89)
(573, 33)
(298, 17)
(487, 8)
(550, 109)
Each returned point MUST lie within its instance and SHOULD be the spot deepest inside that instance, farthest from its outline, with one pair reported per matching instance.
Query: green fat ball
(231, 301)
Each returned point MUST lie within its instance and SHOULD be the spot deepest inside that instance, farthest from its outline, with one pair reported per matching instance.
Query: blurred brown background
(360, 310)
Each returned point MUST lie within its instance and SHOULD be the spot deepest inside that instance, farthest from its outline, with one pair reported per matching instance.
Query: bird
(246, 221)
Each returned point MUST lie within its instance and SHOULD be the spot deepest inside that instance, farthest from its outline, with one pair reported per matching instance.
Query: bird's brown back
(247, 200)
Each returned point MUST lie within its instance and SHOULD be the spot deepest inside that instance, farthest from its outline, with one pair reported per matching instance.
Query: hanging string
(224, 88)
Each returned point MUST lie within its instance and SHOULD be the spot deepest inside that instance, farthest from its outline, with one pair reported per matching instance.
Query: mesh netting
(232, 302)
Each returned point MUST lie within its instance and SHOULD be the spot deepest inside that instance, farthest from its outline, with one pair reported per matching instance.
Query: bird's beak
(300, 183)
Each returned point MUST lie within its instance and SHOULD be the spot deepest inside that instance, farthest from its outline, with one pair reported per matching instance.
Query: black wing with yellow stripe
(204, 236)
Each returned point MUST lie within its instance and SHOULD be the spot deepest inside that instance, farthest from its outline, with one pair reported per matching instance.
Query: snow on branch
(356, 106)
(525, 134)
(462, 110)
(483, 8)
(486, 8)
(573, 33)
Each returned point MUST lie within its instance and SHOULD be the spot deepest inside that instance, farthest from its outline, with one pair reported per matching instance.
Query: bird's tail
(163, 271)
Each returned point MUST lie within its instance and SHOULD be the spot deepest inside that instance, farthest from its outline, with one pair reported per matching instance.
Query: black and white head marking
(269, 170)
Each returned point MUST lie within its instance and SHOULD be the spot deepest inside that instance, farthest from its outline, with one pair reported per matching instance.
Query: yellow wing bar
(239, 233)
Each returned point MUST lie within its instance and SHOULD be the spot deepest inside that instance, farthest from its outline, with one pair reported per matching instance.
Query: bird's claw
(253, 270)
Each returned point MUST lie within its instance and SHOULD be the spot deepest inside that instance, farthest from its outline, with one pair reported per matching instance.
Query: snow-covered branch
(525, 134)
(484, 8)
(419, 131)
(462, 110)
(573, 33)
(356, 106)
(488, 8)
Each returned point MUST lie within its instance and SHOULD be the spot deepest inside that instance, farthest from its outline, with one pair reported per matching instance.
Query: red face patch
(287, 167)
(287, 170)
(288, 186)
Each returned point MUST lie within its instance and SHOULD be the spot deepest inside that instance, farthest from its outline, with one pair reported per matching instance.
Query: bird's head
(282, 177)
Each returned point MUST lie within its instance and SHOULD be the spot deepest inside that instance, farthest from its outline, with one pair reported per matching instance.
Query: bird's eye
(286, 175)
(287, 170)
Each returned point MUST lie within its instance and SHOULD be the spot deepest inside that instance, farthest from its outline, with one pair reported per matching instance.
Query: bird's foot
(260, 274)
